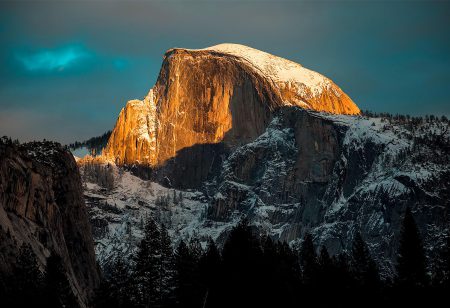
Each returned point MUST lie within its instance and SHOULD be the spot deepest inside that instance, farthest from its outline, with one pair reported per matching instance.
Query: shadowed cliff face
(292, 162)
(223, 94)
(41, 204)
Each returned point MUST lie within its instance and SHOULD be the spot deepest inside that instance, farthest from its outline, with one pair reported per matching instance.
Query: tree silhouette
(363, 266)
(242, 260)
(146, 271)
(442, 265)
(210, 267)
(411, 263)
(308, 261)
(166, 271)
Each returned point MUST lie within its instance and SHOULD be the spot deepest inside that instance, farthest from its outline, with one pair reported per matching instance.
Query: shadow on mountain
(189, 168)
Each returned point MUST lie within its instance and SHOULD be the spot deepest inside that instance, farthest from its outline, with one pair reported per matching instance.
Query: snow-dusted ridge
(278, 69)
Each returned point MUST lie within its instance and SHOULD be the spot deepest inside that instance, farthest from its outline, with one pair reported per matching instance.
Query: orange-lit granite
(222, 93)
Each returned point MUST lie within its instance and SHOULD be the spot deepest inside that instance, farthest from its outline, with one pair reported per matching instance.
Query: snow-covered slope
(279, 70)
(118, 214)
(331, 175)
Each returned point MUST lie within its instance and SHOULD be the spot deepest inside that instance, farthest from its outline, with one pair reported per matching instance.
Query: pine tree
(324, 258)
(180, 198)
(175, 200)
(325, 264)
(411, 263)
(327, 278)
(186, 277)
(308, 261)
(287, 273)
(210, 265)
(210, 273)
(242, 264)
(363, 266)
(166, 270)
(120, 283)
(195, 247)
(442, 265)
(146, 270)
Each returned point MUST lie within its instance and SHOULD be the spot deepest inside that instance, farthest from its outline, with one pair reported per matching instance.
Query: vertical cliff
(133, 139)
(222, 94)
(41, 204)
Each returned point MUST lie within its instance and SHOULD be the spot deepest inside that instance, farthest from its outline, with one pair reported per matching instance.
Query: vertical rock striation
(41, 204)
(222, 94)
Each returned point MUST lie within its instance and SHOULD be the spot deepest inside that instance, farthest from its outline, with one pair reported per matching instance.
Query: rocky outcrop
(222, 94)
(292, 162)
(133, 139)
(334, 176)
(41, 204)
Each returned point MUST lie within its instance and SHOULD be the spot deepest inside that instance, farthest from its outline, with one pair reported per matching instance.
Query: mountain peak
(298, 85)
(221, 94)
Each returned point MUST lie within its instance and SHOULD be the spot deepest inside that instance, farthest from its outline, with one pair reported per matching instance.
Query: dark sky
(68, 67)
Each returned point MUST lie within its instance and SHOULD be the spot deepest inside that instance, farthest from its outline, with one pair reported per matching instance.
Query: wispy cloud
(57, 59)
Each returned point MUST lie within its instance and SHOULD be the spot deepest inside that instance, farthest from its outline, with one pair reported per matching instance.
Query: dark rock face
(330, 175)
(334, 176)
(41, 203)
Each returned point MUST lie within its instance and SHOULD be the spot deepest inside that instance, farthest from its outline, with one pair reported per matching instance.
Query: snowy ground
(118, 215)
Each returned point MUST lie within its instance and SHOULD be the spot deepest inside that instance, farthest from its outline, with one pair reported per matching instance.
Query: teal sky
(68, 67)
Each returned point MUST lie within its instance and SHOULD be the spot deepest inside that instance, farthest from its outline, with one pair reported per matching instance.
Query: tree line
(255, 271)
(94, 144)
(405, 118)
(249, 271)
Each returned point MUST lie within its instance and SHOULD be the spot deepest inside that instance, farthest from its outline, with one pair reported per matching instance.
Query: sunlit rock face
(225, 93)
(134, 137)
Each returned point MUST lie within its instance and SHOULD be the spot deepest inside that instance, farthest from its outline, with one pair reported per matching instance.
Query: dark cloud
(388, 56)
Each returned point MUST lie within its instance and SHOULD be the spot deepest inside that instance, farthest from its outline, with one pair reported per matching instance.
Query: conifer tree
(166, 270)
(442, 265)
(325, 265)
(195, 247)
(343, 280)
(363, 266)
(185, 265)
(445, 263)
(328, 281)
(308, 261)
(242, 261)
(146, 270)
(210, 273)
(287, 272)
(211, 262)
(411, 263)
(120, 284)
